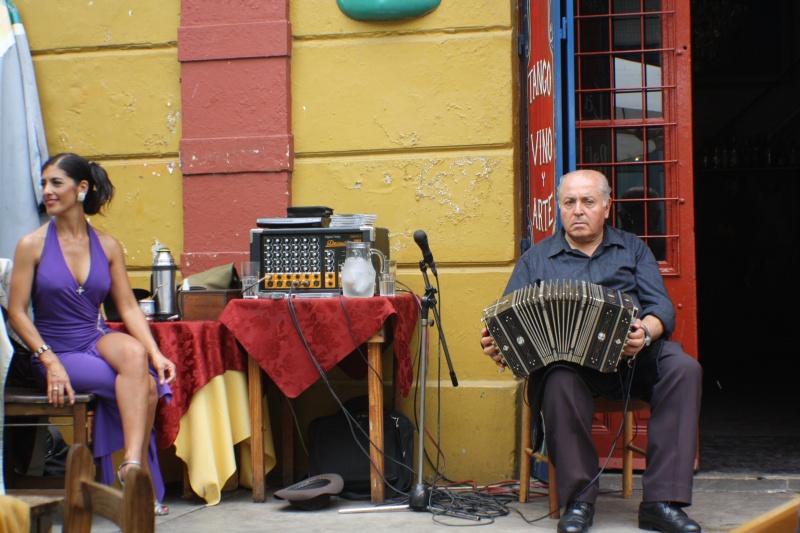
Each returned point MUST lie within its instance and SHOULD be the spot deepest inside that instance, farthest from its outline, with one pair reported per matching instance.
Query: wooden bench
(44, 505)
(24, 402)
(782, 519)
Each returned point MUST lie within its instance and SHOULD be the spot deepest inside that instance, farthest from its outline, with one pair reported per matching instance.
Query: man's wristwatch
(647, 338)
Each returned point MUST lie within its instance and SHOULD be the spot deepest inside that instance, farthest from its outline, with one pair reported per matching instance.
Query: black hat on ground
(312, 493)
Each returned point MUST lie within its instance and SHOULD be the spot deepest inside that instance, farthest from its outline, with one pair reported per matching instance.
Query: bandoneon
(561, 321)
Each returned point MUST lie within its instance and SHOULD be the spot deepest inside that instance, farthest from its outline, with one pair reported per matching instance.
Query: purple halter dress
(68, 318)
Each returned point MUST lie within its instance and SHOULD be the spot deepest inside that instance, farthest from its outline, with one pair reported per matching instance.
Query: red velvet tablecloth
(201, 351)
(332, 328)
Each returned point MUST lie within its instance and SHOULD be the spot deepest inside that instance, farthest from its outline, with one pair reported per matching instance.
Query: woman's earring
(81, 196)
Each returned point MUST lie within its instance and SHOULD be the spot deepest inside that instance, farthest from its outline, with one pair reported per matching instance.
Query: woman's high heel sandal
(122, 465)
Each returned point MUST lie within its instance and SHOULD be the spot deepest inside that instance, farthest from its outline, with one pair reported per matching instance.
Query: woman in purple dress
(65, 269)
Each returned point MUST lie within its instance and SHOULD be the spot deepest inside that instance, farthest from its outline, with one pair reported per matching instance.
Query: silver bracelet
(38, 353)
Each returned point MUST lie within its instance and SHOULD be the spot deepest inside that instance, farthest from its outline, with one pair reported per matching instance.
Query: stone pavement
(721, 503)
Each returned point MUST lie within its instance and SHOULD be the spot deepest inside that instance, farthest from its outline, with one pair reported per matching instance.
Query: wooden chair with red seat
(131, 509)
(601, 405)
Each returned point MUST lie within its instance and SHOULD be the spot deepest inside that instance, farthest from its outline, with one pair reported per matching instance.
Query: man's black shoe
(577, 518)
(661, 516)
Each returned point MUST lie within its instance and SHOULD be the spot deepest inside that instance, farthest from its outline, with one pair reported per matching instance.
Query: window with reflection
(621, 108)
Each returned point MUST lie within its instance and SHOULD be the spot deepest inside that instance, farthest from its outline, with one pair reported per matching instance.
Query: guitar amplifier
(308, 261)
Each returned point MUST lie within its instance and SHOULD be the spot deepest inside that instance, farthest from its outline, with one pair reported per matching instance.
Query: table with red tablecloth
(209, 410)
(282, 335)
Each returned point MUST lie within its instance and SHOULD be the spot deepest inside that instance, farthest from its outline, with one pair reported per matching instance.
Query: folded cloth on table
(219, 278)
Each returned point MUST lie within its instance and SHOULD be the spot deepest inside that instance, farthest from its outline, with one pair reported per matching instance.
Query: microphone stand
(420, 494)
(419, 498)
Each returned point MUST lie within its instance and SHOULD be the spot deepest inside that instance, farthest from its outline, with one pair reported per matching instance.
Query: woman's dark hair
(100, 192)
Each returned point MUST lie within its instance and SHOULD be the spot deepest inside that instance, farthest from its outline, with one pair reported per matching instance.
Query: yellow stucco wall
(414, 121)
(109, 88)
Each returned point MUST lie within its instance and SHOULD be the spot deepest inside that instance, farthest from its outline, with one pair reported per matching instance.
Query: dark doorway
(746, 112)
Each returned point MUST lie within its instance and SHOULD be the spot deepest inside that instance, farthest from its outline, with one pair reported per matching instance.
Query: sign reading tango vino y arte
(541, 120)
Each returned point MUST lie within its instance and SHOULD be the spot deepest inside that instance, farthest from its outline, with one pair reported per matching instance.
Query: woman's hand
(490, 349)
(59, 389)
(164, 367)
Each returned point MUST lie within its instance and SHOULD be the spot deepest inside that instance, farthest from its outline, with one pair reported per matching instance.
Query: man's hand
(635, 342)
(490, 349)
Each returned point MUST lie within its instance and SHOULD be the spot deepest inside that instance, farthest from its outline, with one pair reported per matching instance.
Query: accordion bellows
(561, 321)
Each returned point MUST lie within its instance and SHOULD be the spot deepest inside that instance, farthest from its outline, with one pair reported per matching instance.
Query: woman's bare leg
(134, 388)
(137, 396)
(152, 402)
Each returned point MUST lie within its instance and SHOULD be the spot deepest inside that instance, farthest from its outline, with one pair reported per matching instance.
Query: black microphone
(422, 241)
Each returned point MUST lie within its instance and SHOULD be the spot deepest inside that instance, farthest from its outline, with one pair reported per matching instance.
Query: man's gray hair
(605, 188)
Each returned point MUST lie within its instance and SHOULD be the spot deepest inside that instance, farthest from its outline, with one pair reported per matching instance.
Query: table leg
(79, 423)
(375, 388)
(255, 394)
(188, 492)
(287, 441)
(43, 524)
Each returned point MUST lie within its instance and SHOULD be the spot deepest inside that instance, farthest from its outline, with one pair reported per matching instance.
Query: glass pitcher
(358, 274)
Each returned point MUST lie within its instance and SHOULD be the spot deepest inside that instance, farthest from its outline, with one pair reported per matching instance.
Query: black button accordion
(561, 321)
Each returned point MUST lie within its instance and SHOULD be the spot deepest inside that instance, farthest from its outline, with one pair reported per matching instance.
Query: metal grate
(625, 100)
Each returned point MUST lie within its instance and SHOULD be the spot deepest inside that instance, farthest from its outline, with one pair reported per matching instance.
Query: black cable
(355, 343)
(438, 442)
(626, 404)
(417, 362)
(348, 416)
(477, 506)
(351, 421)
(377, 374)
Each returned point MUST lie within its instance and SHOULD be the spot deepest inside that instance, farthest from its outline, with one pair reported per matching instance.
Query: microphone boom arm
(429, 303)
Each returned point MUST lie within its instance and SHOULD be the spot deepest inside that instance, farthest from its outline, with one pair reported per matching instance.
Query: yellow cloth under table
(218, 418)
(15, 515)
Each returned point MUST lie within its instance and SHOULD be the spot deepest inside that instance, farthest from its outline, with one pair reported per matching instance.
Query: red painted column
(237, 149)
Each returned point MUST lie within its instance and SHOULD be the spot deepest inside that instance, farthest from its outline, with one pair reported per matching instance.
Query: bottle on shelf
(769, 152)
(733, 156)
(755, 152)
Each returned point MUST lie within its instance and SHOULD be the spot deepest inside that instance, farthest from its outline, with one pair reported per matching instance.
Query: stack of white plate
(352, 221)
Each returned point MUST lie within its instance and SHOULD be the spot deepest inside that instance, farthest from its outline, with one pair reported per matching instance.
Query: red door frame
(675, 124)
(673, 169)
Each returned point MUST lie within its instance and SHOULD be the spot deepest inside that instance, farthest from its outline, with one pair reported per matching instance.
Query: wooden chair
(601, 405)
(24, 402)
(131, 509)
(782, 519)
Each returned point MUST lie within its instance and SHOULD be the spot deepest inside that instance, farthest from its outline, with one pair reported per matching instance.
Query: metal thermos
(162, 284)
